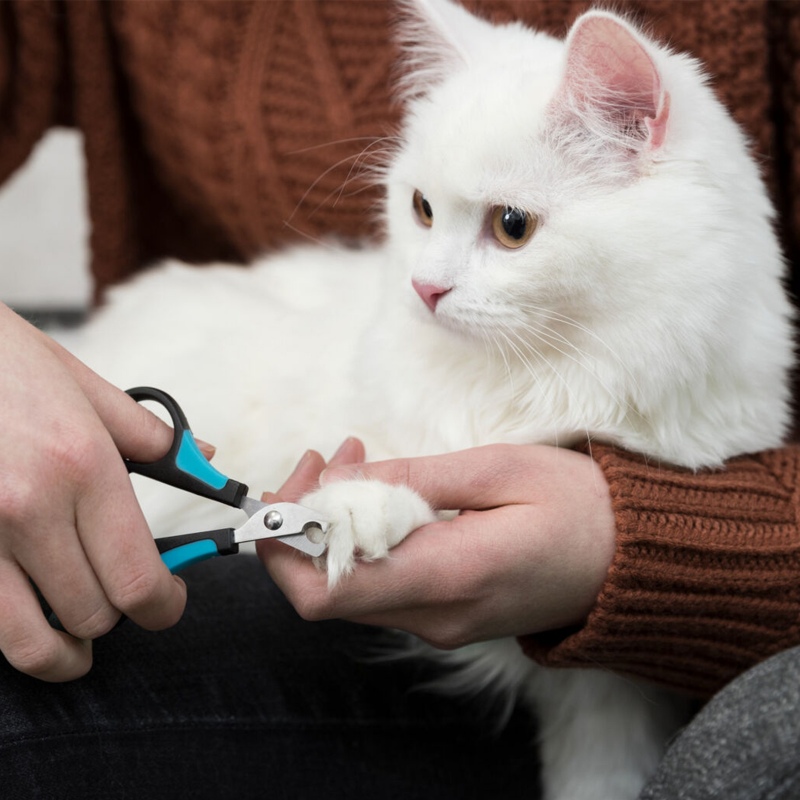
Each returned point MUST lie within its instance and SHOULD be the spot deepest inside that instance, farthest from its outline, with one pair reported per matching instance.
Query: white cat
(578, 245)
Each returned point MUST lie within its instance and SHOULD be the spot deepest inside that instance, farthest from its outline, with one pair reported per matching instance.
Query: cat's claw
(367, 518)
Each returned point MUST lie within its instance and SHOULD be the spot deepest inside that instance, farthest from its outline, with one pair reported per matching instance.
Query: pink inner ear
(609, 68)
(657, 126)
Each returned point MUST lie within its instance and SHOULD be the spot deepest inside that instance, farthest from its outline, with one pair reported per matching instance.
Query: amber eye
(423, 209)
(513, 227)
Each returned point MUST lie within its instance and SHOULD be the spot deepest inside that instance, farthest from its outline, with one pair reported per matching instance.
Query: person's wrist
(596, 540)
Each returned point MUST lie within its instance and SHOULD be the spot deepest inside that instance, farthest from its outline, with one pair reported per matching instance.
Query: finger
(41, 536)
(296, 576)
(66, 579)
(351, 451)
(27, 640)
(303, 479)
(482, 477)
(208, 450)
(86, 543)
(120, 547)
(437, 582)
(137, 432)
(305, 476)
(416, 571)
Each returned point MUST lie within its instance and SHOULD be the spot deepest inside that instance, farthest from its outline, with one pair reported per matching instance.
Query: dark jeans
(242, 699)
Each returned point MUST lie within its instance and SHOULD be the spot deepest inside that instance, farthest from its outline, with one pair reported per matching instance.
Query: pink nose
(430, 293)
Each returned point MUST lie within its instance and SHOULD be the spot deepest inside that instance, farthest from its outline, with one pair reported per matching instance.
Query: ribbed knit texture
(218, 129)
(706, 577)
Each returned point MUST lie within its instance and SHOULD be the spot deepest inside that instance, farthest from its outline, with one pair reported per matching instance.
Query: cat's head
(548, 187)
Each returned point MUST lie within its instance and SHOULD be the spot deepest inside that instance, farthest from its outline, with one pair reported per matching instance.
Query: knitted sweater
(705, 580)
(219, 130)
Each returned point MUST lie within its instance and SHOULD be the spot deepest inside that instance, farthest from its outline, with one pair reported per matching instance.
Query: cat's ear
(613, 84)
(437, 38)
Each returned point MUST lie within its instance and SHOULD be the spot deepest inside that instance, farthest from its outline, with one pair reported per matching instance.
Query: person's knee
(743, 744)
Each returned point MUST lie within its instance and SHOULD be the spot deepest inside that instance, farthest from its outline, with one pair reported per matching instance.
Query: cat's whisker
(546, 336)
(572, 322)
(314, 184)
(538, 380)
(560, 318)
(355, 158)
(629, 407)
(325, 243)
(524, 353)
(336, 142)
(553, 334)
(491, 347)
(543, 360)
(340, 193)
(364, 169)
(552, 339)
(507, 341)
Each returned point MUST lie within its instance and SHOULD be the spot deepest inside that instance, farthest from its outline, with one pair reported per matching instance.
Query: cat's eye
(422, 208)
(513, 227)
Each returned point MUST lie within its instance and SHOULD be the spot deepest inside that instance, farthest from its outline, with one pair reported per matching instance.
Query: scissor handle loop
(184, 465)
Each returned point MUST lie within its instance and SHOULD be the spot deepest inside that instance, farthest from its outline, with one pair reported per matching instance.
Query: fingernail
(208, 450)
(302, 462)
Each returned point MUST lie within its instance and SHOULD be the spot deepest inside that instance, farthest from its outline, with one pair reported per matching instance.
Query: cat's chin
(451, 324)
(420, 313)
(445, 319)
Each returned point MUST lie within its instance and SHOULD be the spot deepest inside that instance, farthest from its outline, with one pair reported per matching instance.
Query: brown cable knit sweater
(217, 130)
(705, 580)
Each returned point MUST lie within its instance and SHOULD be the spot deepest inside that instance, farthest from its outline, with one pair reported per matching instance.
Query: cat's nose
(430, 293)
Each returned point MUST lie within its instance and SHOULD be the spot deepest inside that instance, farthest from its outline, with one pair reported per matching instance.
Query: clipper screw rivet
(273, 520)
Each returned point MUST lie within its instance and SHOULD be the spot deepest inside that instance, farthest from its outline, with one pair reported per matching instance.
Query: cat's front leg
(367, 518)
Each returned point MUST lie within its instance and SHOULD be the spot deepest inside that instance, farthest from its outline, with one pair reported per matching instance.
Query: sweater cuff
(705, 581)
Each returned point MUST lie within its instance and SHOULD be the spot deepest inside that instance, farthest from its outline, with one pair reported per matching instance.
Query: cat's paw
(367, 518)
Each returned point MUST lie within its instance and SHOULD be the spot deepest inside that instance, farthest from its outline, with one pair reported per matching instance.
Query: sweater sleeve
(705, 581)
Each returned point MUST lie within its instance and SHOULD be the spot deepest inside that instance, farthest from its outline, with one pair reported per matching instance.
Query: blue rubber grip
(187, 554)
(184, 466)
(190, 460)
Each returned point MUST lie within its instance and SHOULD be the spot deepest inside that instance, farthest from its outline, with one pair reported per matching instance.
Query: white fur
(384, 516)
(646, 310)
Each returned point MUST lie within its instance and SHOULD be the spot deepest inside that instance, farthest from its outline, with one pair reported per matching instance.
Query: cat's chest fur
(423, 389)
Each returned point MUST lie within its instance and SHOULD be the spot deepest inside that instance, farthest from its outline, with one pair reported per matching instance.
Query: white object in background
(44, 248)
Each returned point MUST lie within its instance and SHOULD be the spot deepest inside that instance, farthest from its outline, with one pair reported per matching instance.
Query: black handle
(184, 466)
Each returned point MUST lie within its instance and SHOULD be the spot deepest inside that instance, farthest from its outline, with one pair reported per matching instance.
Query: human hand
(69, 520)
(529, 552)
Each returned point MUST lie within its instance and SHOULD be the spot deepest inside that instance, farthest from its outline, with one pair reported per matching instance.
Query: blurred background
(44, 254)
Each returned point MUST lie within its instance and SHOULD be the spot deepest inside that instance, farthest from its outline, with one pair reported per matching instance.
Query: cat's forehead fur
(485, 103)
(473, 136)
(479, 95)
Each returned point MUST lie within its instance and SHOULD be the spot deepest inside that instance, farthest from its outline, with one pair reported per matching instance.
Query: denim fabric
(243, 699)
